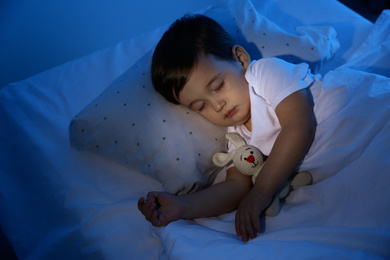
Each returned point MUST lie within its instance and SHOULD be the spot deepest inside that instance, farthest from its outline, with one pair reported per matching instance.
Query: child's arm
(161, 208)
(297, 121)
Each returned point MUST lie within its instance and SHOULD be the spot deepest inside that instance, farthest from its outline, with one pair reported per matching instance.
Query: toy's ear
(236, 139)
(222, 159)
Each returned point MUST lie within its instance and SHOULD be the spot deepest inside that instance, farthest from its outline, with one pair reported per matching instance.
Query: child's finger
(252, 228)
(237, 224)
(151, 196)
(247, 230)
(244, 226)
(149, 209)
(256, 224)
(143, 206)
(140, 204)
(155, 220)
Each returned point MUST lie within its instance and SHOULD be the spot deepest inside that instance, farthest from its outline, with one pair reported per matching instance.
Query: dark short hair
(180, 48)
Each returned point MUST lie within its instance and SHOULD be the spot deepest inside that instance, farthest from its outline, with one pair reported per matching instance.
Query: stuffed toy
(249, 161)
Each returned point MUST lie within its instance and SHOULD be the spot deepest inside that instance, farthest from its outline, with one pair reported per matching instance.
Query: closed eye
(220, 86)
(202, 107)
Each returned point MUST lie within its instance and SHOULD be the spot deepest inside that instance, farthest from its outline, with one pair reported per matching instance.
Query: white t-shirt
(270, 81)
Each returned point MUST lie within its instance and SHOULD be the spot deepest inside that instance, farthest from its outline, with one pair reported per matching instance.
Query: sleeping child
(276, 106)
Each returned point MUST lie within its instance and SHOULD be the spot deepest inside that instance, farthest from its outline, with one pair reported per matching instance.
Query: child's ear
(241, 55)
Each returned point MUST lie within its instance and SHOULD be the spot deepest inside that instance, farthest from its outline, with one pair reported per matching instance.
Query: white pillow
(262, 38)
(133, 125)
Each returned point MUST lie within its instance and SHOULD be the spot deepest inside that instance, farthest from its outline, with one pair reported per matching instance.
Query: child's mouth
(231, 113)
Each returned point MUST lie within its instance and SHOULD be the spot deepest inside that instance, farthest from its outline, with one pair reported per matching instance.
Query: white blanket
(345, 214)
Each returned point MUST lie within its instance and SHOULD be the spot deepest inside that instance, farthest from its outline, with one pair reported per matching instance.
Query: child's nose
(217, 105)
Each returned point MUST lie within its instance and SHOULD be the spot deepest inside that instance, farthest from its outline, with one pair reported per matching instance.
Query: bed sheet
(57, 203)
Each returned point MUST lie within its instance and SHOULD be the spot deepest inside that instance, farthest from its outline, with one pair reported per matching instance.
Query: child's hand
(161, 208)
(248, 214)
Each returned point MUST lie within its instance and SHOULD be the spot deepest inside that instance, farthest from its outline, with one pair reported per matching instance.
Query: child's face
(218, 91)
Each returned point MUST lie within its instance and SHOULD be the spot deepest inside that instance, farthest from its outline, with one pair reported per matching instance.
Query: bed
(58, 202)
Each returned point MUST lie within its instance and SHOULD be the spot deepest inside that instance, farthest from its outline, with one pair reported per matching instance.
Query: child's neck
(248, 125)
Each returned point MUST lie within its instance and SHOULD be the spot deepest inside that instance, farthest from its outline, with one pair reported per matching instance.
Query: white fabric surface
(57, 203)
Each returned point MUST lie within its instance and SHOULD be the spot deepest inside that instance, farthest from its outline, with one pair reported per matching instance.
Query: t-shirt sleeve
(274, 79)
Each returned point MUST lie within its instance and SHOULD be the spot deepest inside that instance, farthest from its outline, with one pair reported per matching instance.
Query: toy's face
(248, 159)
